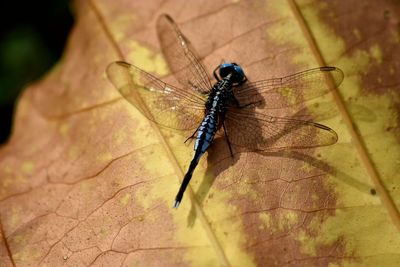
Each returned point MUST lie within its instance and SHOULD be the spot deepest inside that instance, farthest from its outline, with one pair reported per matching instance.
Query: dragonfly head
(237, 72)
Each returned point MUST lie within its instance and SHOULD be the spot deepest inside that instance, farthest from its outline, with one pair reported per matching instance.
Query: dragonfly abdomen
(205, 136)
(206, 132)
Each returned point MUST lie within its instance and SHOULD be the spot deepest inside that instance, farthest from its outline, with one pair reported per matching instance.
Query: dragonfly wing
(258, 131)
(181, 56)
(289, 91)
(162, 103)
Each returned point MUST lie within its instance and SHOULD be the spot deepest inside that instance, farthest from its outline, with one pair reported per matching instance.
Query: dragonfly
(260, 115)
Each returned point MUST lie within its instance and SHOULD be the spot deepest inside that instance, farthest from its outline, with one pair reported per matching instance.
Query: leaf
(86, 179)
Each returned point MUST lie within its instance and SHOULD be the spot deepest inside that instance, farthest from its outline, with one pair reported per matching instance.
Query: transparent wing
(162, 103)
(283, 99)
(291, 90)
(259, 131)
(181, 57)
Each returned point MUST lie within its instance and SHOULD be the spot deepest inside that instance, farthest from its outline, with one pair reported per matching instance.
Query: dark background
(32, 38)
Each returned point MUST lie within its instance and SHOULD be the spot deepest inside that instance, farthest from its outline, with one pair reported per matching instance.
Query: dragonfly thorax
(220, 93)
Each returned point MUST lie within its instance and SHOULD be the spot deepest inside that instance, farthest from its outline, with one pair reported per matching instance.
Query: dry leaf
(87, 180)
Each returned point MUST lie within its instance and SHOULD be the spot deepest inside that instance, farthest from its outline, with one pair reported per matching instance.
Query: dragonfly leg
(215, 74)
(227, 139)
(242, 82)
(192, 136)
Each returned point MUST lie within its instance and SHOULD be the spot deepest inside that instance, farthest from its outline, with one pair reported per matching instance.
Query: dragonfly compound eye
(234, 69)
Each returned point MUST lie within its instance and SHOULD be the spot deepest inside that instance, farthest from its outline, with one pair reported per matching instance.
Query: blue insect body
(232, 75)
(230, 103)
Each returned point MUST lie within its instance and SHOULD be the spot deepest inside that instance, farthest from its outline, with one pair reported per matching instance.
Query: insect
(261, 115)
